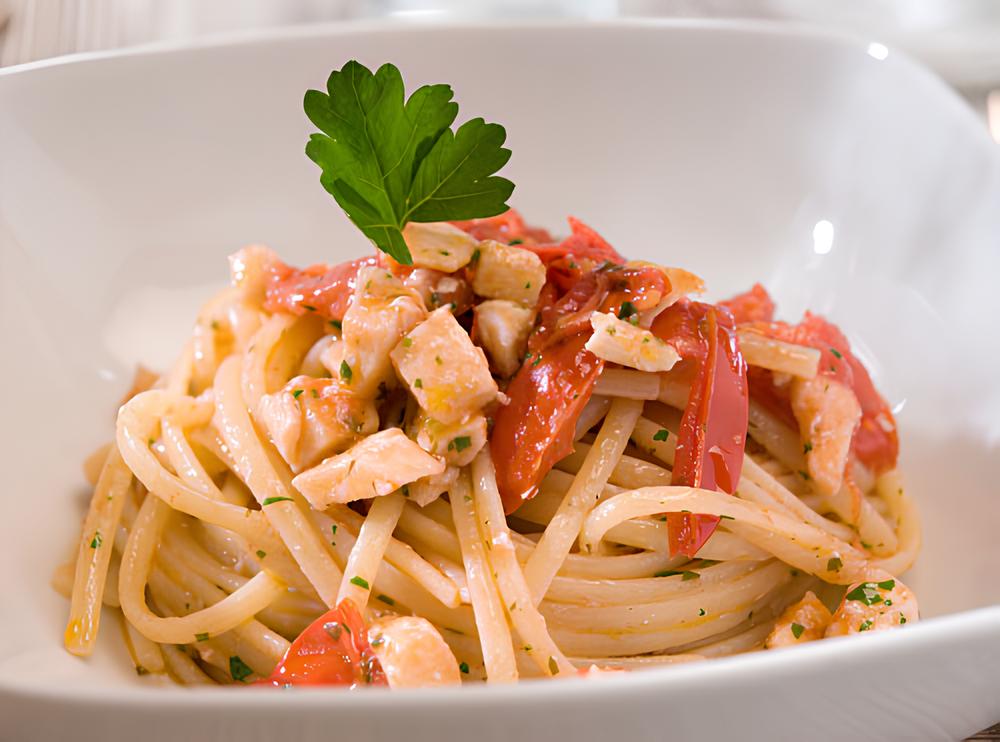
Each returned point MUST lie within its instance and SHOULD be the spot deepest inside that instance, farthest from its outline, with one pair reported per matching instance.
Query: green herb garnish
(463, 667)
(386, 599)
(627, 310)
(797, 630)
(360, 582)
(345, 371)
(388, 160)
(238, 669)
(661, 435)
(460, 443)
(272, 500)
(868, 592)
(201, 637)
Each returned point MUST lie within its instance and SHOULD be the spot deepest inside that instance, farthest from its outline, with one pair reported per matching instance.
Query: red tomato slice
(688, 532)
(876, 441)
(754, 305)
(506, 227)
(332, 650)
(712, 435)
(536, 429)
(321, 289)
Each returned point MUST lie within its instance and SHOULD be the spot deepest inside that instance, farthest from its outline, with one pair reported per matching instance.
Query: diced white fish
(439, 289)
(445, 372)
(880, 603)
(381, 312)
(619, 341)
(376, 466)
(828, 413)
(502, 328)
(427, 489)
(309, 419)
(439, 246)
(412, 653)
(457, 443)
(506, 272)
(804, 621)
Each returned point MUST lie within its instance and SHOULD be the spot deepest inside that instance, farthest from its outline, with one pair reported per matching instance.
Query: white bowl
(852, 183)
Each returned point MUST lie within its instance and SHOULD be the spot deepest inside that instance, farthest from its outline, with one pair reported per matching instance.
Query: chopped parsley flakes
(238, 669)
(868, 592)
(797, 630)
(460, 443)
(661, 435)
(360, 582)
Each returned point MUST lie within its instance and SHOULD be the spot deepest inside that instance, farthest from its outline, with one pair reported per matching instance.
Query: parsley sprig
(389, 160)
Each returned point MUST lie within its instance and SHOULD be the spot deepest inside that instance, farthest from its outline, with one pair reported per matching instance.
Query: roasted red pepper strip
(712, 435)
(332, 650)
(322, 289)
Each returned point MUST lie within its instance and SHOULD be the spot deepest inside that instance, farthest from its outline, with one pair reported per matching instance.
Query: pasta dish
(483, 452)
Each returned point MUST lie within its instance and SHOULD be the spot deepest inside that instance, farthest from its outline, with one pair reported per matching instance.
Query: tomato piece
(583, 243)
(332, 650)
(688, 532)
(536, 429)
(712, 434)
(876, 441)
(754, 305)
(320, 289)
(713, 429)
(506, 227)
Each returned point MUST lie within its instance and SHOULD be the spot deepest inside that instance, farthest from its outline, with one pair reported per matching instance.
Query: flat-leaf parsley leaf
(389, 160)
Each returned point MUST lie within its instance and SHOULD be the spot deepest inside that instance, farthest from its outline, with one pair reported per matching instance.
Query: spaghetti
(528, 458)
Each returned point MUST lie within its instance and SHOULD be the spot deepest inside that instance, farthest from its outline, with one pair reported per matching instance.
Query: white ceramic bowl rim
(802, 662)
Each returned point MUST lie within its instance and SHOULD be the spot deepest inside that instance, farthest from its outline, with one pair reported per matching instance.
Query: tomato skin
(688, 532)
(876, 441)
(754, 305)
(332, 650)
(713, 429)
(505, 228)
(549, 391)
(536, 429)
(319, 289)
(712, 434)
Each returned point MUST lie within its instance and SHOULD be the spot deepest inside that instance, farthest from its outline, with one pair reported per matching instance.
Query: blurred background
(959, 39)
